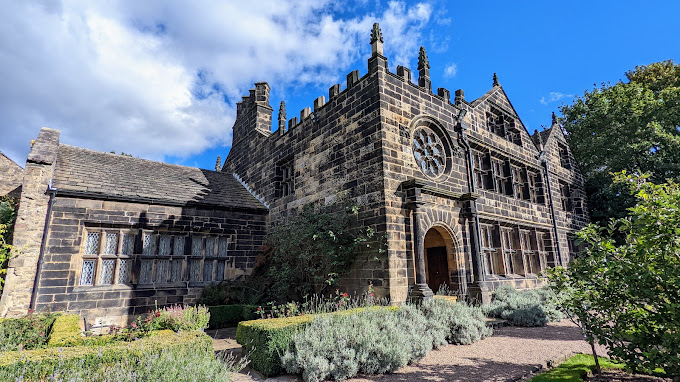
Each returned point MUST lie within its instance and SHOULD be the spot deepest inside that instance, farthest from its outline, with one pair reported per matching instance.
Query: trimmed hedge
(39, 364)
(224, 316)
(65, 331)
(28, 332)
(265, 341)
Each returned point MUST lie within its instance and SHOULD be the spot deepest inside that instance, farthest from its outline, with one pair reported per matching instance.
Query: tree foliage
(632, 126)
(624, 288)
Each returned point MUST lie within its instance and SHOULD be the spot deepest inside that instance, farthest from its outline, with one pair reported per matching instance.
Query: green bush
(377, 341)
(266, 340)
(43, 363)
(527, 308)
(65, 331)
(223, 316)
(29, 332)
(458, 323)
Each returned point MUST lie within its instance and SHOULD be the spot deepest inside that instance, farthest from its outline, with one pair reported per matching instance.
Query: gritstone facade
(458, 191)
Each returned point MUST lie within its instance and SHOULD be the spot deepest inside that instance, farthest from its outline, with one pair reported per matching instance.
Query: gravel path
(510, 354)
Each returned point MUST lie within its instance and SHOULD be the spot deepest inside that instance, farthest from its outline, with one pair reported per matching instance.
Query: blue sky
(160, 79)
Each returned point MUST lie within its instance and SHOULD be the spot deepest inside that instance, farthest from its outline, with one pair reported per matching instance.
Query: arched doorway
(438, 249)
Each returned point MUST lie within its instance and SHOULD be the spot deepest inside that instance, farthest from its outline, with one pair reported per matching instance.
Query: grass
(574, 369)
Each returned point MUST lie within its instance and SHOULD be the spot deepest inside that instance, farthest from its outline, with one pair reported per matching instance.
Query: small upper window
(285, 179)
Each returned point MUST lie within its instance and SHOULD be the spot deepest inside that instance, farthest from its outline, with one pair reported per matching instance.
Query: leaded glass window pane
(149, 248)
(222, 247)
(164, 246)
(162, 271)
(176, 271)
(124, 268)
(207, 270)
(195, 270)
(196, 246)
(145, 272)
(92, 243)
(219, 275)
(210, 246)
(106, 273)
(128, 244)
(87, 273)
(178, 249)
(111, 243)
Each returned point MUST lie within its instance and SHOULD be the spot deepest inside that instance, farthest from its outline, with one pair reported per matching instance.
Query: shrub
(266, 340)
(178, 317)
(65, 331)
(341, 346)
(526, 308)
(376, 341)
(459, 323)
(45, 363)
(29, 332)
(223, 316)
(177, 365)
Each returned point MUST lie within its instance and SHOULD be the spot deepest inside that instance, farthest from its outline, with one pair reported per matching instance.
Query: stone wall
(334, 151)
(30, 224)
(11, 176)
(72, 218)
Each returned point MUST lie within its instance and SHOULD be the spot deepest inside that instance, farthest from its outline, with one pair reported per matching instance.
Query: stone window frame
(566, 197)
(502, 124)
(563, 153)
(493, 257)
(482, 170)
(285, 178)
(535, 186)
(147, 252)
(101, 255)
(512, 251)
(518, 174)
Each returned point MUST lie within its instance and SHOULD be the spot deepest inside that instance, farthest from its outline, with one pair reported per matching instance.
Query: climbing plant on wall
(312, 249)
(8, 211)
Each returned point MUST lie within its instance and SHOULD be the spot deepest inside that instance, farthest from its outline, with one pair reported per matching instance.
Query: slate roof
(120, 177)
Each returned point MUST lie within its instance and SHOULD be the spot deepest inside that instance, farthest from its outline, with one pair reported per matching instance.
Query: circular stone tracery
(429, 152)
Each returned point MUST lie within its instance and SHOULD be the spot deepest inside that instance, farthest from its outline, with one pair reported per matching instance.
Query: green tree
(633, 126)
(624, 288)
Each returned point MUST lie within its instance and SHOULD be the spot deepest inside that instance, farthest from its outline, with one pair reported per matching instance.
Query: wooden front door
(437, 268)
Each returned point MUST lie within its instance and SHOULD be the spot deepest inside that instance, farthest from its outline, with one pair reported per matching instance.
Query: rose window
(429, 152)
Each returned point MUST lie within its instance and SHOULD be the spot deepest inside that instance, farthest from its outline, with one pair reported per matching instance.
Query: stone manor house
(459, 191)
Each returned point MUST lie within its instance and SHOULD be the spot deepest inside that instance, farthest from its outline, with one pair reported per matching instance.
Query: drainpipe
(52, 192)
(475, 243)
(544, 162)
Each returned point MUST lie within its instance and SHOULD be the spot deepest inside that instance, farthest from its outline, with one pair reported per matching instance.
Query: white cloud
(451, 70)
(150, 77)
(554, 97)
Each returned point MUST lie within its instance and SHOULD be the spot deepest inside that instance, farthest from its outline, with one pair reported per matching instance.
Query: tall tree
(632, 126)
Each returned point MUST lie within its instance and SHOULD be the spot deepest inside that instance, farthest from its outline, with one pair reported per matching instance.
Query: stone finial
(459, 96)
(495, 80)
(218, 164)
(538, 138)
(554, 118)
(376, 40)
(282, 116)
(423, 62)
(376, 34)
(424, 70)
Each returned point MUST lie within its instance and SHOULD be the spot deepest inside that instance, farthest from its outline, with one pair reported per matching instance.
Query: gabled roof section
(497, 90)
(119, 177)
(541, 137)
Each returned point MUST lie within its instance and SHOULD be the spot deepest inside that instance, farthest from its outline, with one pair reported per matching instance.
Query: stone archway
(440, 259)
